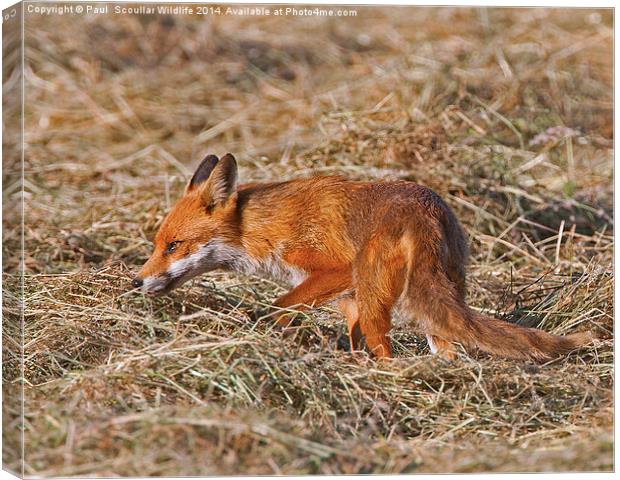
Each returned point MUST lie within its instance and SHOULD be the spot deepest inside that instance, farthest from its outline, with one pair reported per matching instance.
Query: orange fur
(367, 245)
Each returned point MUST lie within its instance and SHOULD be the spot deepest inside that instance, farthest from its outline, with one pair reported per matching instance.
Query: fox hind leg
(379, 280)
(441, 347)
(375, 323)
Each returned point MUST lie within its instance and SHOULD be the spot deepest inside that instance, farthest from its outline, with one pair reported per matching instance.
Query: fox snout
(156, 277)
(151, 285)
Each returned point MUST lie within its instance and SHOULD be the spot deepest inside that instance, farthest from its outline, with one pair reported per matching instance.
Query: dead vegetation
(506, 113)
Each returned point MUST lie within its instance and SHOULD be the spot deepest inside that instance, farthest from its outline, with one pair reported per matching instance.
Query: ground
(506, 113)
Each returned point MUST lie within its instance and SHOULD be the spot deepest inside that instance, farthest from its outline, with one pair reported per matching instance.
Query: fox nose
(137, 282)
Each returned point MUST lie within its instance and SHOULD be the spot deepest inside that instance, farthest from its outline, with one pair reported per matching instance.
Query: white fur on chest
(272, 265)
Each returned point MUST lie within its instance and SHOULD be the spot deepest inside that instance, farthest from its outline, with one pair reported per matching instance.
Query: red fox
(365, 246)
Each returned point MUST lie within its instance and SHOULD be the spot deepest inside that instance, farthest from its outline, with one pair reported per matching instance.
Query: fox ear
(202, 173)
(222, 183)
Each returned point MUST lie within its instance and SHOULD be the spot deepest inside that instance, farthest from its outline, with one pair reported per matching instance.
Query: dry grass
(120, 109)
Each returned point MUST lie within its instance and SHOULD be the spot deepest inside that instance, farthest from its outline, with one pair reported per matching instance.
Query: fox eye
(172, 245)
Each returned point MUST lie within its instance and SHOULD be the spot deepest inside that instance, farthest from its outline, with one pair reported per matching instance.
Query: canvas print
(285, 239)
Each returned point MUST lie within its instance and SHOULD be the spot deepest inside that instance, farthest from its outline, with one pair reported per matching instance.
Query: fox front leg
(317, 289)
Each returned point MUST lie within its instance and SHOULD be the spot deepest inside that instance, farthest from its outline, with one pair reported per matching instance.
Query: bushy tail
(513, 341)
(450, 318)
(435, 298)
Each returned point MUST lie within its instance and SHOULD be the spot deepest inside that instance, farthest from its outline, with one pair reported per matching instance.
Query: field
(506, 113)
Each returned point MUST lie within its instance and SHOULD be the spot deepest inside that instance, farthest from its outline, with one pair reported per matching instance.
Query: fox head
(190, 239)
